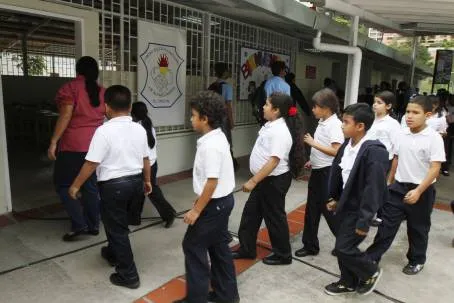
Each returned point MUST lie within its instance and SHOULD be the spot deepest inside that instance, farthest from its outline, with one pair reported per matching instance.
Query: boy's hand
(73, 191)
(249, 186)
(412, 196)
(191, 217)
(147, 188)
(308, 139)
(331, 206)
(308, 165)
(359, 232)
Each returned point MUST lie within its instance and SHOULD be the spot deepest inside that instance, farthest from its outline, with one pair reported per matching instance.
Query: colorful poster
(162, 72)
(443, 67)
(256, 67)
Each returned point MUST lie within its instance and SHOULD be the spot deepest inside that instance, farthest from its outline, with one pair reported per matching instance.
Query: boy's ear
(428, 115)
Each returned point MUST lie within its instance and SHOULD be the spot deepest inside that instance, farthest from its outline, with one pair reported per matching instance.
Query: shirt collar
(425, 132)
(384, 118)
(120, 119)
(208, 135)
(325, 122)
(274, 123)
(358, 145)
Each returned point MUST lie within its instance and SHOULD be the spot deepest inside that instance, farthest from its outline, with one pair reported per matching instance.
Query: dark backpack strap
(216, 87)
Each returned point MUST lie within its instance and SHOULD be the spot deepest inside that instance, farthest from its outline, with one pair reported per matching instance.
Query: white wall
(176, 151)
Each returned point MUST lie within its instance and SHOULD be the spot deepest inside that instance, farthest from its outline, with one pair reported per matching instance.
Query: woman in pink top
(81, 106)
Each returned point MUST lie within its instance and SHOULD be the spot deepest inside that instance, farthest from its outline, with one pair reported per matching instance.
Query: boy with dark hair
(357, 189)
(119, 154)
(225, 89)
(419, 155)
(277, 84)
(207, 233)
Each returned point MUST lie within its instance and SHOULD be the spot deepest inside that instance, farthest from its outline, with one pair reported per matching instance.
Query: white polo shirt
(416, 152)
(386, 130)
(119, 146)
(213, 160)
(438, 124)
(274, 140)
(328, 131)
(349, 158)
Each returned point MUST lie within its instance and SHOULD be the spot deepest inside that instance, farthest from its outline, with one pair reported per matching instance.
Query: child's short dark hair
(211, 105)
(423, 101)
(361, 113)
(387, 97)
(118, 97)
(220, 68)
(277, 67)
(326, 98)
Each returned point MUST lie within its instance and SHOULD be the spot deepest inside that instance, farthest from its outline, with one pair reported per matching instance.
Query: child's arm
(86, 171)
(413, 195)
(147, 176)
(392, 171)
(328, 150)
(66, 112)
(264, 172)
(210, 186)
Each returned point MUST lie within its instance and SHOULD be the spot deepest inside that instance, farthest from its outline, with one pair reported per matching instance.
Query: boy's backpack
(216, 87)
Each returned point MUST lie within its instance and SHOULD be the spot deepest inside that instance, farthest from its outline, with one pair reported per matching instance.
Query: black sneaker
(274, 259)
(445, 173)
(338, 288)
(376, 222)
(74, 235)
(410, 269)
(116, 279)
(366, 287)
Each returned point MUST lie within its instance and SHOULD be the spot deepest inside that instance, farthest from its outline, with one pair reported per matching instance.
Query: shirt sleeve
(336, 134)
(212, 163)
(394, 134)
(145, 146)
(444, 124)
(227, 92)
(98, 149)
(437, 149)
(278, 148)
(64, 96)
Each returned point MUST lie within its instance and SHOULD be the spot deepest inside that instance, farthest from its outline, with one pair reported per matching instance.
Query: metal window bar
(118, 45)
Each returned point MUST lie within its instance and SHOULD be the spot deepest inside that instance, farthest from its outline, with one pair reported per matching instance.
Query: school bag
(217, 86)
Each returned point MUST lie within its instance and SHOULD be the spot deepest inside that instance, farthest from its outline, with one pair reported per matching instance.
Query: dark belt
(121, 179)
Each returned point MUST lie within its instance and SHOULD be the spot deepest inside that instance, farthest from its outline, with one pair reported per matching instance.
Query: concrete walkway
(74, 272)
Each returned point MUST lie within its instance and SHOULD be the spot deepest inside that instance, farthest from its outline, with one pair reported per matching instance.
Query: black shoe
(334, 252)
(366, 287)
(73, 235)
(445, 173)
(116, 279)
(212, 297)
(240, 255)
(169, 222)
(303, 252)
(93, 232)
(376, 222)
(108, 256)
(338, 288)
(410, 269)
(274, 259)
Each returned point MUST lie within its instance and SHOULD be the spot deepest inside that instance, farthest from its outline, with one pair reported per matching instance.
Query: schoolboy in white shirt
(412, 194)
(119, 154)
(207, 233)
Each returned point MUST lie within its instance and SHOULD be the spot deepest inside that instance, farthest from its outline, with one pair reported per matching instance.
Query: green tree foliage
(422, 54)
(346, 22)
(36, 64)
(447, 44)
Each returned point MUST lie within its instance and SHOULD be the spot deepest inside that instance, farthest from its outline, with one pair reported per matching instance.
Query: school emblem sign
(161, 72)
(162, 63)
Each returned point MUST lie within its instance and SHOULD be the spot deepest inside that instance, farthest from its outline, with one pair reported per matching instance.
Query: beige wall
(90, 47)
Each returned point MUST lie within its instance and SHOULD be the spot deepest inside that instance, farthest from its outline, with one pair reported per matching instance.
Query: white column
(5, 188)
(351, 94)
(413, 61)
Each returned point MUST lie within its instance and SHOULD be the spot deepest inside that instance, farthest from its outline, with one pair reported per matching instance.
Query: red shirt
(85, 118)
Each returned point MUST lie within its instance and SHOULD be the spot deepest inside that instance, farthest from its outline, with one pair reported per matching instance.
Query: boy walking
(207, 233)
(357, 189)
(119, 154)
(420, 152)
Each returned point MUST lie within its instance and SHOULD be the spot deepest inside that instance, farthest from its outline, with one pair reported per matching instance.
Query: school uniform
(386, 130)
(328, 131)
(209, 234)
(119, 146)
(415, 152)
(164, 208)
(357, 183)
(267, 199)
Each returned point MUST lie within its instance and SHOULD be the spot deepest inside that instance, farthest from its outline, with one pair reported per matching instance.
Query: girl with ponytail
(277, 156)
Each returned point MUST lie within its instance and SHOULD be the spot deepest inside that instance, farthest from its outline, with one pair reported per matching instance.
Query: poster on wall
(161, 72)
(311, 72)
(256, 66)
(443, 67)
